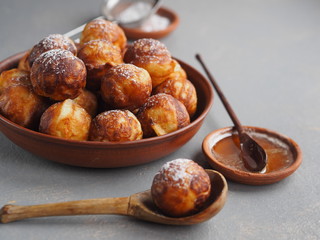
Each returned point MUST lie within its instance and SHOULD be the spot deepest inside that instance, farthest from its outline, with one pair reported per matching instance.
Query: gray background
(266, 57)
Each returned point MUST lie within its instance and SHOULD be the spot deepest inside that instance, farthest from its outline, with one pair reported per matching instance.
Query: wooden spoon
(253, 155)
(139, 205)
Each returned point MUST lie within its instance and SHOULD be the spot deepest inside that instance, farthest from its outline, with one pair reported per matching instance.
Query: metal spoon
(139, 205)
(129, 13)
(253, 155)
(112, 10)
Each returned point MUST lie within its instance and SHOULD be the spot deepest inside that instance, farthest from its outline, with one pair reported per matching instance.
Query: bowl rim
(12, 61)
(252, 177)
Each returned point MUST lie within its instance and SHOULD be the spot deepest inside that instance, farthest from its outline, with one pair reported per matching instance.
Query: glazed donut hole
(66, 120)
(99, 56)
(151, 55)
(14, 77)
(126, 87)
(53, 41)
(88, 101)
(162, 114)
(181, 89)
(58, 74)
(115, 126)
(106, 30)
(180, 188)
(21, 105)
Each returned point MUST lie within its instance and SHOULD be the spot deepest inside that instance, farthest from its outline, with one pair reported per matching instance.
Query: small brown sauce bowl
(108, 154)
(220, 155)
(136, 33)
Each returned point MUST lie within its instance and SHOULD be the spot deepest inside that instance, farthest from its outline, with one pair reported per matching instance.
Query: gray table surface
(266, 57)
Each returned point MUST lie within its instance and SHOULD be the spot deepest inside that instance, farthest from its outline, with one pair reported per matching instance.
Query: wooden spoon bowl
(139, 205)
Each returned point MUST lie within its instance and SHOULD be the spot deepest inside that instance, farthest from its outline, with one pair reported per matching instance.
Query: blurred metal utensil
(129, 13)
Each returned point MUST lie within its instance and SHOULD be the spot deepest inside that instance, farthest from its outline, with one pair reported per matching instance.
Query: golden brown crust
(126, 87)
(162, 114)
(14, 77)
(21, 105)
(58, 74)
(103, 29)
(181, 89)
(99, 56)
(88, 101)
(115, 126)
(178, 72)
(66, 120)
(180, 188)
(53, 41)
(24, 62)
(153, 56)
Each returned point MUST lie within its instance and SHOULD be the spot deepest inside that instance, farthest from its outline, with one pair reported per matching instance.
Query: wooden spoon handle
(10, 213)
(224, 100)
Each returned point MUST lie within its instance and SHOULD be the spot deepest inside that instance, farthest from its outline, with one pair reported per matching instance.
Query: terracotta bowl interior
(136, 33)
(249, 177)
(108, 155)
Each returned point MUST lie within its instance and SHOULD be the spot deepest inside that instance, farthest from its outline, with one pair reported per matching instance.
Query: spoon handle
(224, 100)
(10, 213)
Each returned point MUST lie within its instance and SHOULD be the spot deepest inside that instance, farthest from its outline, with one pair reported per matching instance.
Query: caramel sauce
(279, 156)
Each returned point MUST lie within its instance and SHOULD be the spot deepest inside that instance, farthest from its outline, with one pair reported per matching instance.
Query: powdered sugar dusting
(54, 60)
(176, 172)
(100, 25)
(151, 49)
(155, 23)
(54, 41)
(155, 100)
(128, 71)
(49, 42)
(124, 70)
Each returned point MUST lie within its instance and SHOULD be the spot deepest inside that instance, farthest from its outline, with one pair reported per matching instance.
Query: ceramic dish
(136, 33)
(108, 155)
(240, 175)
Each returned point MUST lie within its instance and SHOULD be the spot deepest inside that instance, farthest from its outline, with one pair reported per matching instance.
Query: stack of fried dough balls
(99, 56)
(166, 73)
(101, 29)
(100, 89)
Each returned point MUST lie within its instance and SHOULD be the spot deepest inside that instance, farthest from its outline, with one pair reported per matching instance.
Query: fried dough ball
(180, 188)
(88, 101)
(126, 87)
(181, 89)
(115, 126)
(66, 120)
(24, 62)
(21, 105)
(58, 74)
(99, 56)
(177, 73)
(153, 56)
(53, 41)
(104, 29)
(162, 114)
(14, 77)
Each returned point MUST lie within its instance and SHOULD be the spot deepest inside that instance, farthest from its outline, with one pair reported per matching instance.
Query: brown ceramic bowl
(108, 155)
(136, 33)
(247, 177)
